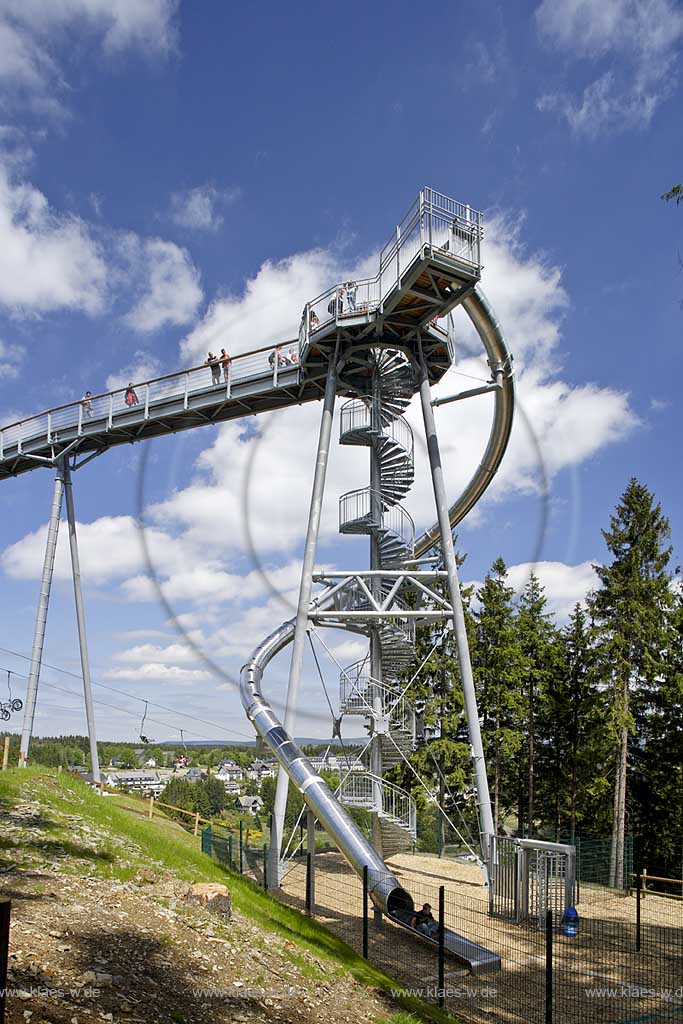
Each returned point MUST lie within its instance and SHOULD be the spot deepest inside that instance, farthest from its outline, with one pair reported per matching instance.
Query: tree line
(582, 722)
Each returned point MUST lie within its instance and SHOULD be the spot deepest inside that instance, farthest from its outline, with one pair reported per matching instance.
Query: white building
(146, 781)
(259, 770)
(229, 770)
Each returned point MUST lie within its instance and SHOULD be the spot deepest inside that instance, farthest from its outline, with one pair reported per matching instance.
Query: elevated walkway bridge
(427, 268)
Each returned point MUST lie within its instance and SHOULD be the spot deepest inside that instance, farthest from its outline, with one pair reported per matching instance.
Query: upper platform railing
(93, 414)
(434, 222)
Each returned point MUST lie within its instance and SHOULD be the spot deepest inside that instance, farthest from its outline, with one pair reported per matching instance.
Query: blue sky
(175, 177)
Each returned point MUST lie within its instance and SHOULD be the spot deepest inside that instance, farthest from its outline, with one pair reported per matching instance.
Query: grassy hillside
(60, 831)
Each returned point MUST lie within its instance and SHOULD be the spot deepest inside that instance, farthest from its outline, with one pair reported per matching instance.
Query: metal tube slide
(385, 890)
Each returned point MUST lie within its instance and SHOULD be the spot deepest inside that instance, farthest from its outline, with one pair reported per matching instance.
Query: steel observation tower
(375, 344)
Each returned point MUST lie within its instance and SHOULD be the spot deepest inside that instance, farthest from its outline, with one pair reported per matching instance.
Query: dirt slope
(86, 947)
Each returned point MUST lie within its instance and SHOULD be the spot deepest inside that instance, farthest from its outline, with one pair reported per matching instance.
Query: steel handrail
(361, 498)
(364, 413)
(151, 380)
(429, 206)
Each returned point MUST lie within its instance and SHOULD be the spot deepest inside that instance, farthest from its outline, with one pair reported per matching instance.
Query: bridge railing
(434, 221)
(140, 400)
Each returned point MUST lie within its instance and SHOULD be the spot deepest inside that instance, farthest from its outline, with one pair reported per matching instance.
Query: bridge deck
(426, 268)
(164, 405)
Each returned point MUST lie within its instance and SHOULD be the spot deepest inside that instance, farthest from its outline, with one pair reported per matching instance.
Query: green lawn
(130, 842)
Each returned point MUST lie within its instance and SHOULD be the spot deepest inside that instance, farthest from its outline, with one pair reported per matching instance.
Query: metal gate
(529, 877)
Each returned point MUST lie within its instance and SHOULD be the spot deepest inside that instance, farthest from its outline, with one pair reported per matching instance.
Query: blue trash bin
(570, 923)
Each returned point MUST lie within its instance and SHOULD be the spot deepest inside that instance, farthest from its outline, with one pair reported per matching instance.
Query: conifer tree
(572, 755)
(657, 805)
(631, 609)
(498, 664)
(536, 634)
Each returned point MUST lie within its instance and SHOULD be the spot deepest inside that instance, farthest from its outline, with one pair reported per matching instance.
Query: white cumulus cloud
(633, 44)
(30, 30)
(565, 585)
(143, 366)
(157, 672)
(47, 261)
(171, 289)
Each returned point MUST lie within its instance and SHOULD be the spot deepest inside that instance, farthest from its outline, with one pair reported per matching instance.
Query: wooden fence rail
(198, 820)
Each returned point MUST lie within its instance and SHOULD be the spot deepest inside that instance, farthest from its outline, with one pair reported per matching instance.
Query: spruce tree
(536, 633)
(498, 665)
(572, 755)
(657, 805)
(631, 609)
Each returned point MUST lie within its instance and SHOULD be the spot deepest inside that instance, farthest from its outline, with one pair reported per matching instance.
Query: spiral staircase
(375, 421)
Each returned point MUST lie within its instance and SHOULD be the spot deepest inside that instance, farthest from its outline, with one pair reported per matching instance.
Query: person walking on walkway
(213, 362)
(225, 363)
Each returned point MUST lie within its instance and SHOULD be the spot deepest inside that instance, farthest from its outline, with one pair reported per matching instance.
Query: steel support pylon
(80, 620)
(471, 712)
(305, 590)
(41, 617)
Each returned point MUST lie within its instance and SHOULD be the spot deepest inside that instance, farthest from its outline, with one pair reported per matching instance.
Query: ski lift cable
(123, 693)
(143, 738)
(119, 707)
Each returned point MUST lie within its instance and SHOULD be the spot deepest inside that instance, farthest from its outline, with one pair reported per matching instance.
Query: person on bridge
(225, 363)
(423, 921)
(87, 404)
(131, 398)
(351, 290)
(214, 363)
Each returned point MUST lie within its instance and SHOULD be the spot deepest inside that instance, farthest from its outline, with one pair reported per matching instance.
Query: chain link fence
(624, 965)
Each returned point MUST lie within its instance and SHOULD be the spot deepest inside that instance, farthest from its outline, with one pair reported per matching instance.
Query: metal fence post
(309, 908)
(442, 946)
(5, 912)
(548, 967)
(241, 848)
(265, 866)
(365, 911)
(639, 891)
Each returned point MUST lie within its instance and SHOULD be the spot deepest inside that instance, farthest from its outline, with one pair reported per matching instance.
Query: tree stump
(211, 896)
